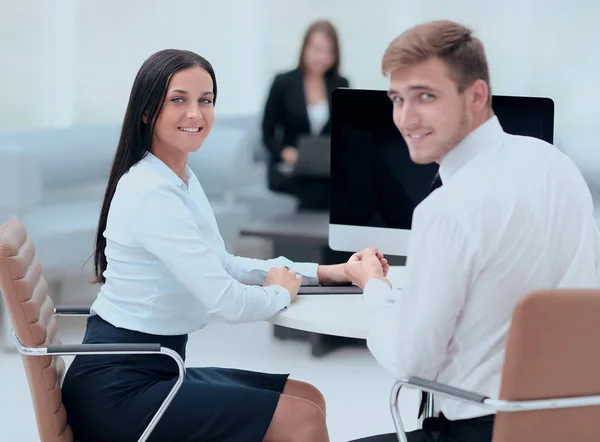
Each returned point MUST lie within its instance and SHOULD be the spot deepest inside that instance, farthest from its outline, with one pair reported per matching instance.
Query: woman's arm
(166, 229)
(254, 271)
(333, 274)
(271, 118)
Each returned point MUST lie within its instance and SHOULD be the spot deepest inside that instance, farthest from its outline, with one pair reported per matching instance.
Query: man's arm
(409, 330)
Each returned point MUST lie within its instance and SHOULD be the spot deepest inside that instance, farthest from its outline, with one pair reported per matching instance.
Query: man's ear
(479, 95)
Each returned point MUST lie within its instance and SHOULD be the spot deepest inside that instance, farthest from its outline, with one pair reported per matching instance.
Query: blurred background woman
(299, 104)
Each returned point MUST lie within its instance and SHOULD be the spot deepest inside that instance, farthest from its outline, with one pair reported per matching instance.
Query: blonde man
(513, 215)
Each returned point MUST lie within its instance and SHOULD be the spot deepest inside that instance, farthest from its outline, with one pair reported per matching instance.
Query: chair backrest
(552, 352)
(31, 311)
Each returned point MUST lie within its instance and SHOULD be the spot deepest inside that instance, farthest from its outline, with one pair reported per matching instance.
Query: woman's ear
(145, 117)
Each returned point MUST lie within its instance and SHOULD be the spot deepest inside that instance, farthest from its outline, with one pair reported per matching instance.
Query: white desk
(337, 315)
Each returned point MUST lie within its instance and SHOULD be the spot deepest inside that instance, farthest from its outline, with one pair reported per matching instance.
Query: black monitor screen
(374, 183)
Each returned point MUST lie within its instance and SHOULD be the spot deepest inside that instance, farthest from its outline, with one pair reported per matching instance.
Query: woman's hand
(289, 154)
(286, 279)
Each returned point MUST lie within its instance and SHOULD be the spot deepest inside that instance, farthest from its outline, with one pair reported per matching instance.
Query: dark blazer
(286, 118)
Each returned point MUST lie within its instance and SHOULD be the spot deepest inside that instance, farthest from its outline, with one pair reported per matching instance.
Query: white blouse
(318, 115)
(168, 270)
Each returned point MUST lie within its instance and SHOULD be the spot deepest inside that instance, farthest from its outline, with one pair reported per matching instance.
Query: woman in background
(165, 271)
(299, 103)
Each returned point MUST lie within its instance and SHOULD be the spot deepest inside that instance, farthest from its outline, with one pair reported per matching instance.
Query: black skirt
(113, 398)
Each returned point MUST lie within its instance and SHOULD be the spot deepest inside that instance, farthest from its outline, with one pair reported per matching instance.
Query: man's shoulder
(530, 146)
(459, 203)
(443, 204)
(538, 157)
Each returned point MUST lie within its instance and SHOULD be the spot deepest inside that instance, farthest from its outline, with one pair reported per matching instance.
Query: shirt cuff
(281, 297)
(308, 271)
(377, 293)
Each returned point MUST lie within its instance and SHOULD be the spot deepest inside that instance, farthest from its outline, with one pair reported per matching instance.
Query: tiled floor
(355, 386)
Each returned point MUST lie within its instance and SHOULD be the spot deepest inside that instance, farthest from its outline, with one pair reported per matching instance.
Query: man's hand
(365, 265)
(369, 250)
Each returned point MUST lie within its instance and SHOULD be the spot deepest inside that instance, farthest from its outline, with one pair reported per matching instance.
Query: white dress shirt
(513, 215)
(168, 270)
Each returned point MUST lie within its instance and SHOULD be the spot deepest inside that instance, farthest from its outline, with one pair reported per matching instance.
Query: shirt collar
(486, 136)
(157, 165)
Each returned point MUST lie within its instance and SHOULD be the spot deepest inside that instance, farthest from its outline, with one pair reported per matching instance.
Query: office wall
(567, 68)
(364, 34)
(74, 62)
(117, 36)
(70, 61)
(78, 59)
(20, 63)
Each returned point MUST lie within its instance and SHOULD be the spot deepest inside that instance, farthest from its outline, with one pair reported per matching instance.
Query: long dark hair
(327, 28)
(145, 103)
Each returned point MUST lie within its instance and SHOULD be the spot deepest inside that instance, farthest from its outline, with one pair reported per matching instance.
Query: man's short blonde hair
(451, 42)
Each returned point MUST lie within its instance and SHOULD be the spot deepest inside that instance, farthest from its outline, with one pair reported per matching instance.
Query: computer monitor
(374, 184)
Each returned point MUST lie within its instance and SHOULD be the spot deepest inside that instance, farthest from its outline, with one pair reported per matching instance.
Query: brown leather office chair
(551, 376)
(35, 333)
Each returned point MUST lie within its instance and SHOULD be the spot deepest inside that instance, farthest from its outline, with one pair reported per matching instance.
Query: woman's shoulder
(284, 78)
(338, 80)
(142, 182)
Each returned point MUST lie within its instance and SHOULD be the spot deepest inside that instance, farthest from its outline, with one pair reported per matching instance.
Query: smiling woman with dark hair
(165, 272)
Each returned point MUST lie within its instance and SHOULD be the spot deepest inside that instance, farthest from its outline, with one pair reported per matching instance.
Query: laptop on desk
(313, 157)
(348, 289)
(341, 289)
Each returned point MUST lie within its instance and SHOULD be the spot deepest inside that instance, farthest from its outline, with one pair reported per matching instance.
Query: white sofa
(54, 181)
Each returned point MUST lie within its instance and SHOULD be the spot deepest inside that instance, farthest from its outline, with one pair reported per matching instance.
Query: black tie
(437, 182)
(422, 404)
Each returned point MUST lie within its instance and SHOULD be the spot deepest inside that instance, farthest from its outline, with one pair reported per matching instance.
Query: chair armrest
(96, 349)
(497, 405)
(63, 349)
(433, 388)
(112, 349)
(444, 390)
(70, 310)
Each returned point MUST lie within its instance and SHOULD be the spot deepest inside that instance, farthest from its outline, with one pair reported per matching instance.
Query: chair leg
(394, 395)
